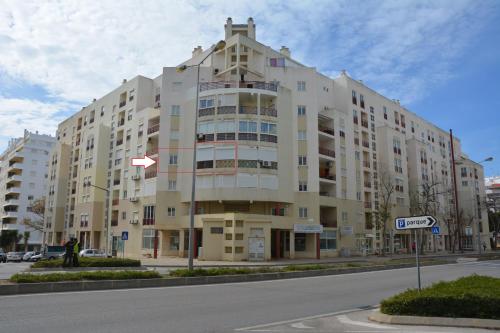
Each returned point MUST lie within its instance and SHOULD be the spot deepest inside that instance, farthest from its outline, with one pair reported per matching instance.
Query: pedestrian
(76, 250)
(484, 246)
(68, 254)
(413, 246)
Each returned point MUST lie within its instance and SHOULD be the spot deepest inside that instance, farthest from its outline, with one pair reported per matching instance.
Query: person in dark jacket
(68, 255)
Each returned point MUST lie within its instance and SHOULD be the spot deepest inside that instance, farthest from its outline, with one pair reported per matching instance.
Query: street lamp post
(219, 46)
(107, 224)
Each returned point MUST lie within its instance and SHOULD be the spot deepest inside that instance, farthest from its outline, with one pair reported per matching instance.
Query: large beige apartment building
(289, 161)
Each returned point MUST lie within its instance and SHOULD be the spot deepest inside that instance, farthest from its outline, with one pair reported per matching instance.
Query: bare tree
(38, 209)
(383, 213)
(26, 237)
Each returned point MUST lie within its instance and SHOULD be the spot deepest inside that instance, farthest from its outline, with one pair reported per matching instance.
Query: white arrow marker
(145, 162)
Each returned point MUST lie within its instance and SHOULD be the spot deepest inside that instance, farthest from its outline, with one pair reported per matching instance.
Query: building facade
(289, 162)
(23, 180)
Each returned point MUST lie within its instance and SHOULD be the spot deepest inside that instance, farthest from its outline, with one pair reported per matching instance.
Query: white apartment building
(289, 161)
(23, 179)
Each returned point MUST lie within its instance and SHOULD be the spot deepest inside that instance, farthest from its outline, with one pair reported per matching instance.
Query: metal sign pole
(416, 257)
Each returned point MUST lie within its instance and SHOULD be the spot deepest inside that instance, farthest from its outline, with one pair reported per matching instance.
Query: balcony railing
(152, 151)
(327, 194)
(325, 174)
(364, 123)
(270, 112)
(268, 138)
(366, 164)
(206, 112)
(368, 184)
(119, 142)
(148, 221)
(121, 122)
(366, 144)
(368, 204)
(122, 103)
(227, 109)
(239, 84)
(328, 223)
(114, 222)
(248, 110)
(116, 202)
(116, 182)
(325, 129)
(327, 152)
(150, 174)
(206, 137)
(153, 128)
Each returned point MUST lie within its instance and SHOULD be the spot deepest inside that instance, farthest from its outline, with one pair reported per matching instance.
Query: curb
(46, 287)
(435, 321)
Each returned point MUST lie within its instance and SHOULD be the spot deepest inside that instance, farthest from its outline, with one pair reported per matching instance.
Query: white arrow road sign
(145, 162)
(415, 222)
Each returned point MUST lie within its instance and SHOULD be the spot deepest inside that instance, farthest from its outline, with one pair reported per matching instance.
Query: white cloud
(80, 50)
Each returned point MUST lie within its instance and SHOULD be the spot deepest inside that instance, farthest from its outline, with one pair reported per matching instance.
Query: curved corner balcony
(260, 85)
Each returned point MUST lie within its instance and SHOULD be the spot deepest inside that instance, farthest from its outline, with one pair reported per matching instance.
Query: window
(463, 171)
(328, 240)
(124, 215)
(301, 135)
(354, 98)
(301, 110)
(217, 230)
(300, 242)
(301, 85)
(278, 211)
(464, 183)
(172, 159)
(148, 238)
(344, 217)
(171, 211)
(175, 110)
(172, 185)
(149, 215)
(268, 128)
(385, 112)
(248, 127)
(174, 135)
(302, 186)
(302, 160)
(397, 165)
(361, 101)
(303, 212)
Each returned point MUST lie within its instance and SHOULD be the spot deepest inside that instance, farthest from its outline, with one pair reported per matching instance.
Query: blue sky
(440, 58)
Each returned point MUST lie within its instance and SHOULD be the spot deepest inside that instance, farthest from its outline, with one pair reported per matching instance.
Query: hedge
(90, 262)
(183, 272)
(469, 297)
(78, 276)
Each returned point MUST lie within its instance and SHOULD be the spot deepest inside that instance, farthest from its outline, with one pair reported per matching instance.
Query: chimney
(124, 81)
(94, 100)
(197, 51)
(251, 28)
(343, 72)
(228, 27)
(285, 51)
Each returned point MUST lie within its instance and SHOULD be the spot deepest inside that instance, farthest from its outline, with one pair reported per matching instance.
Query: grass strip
(79, 276)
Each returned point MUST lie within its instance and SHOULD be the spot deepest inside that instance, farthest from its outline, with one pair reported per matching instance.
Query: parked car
(3, 256)
(36, 257)
(30, 254)
(15, 256)
(92, 253)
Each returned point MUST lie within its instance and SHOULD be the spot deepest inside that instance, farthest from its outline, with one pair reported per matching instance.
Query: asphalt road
(215, 308)
(10, 268)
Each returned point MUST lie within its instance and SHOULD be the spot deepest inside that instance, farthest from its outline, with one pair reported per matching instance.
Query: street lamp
(87, 183)
(219, 46)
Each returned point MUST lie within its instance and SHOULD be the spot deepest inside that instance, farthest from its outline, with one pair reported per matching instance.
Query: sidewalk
(173, 262)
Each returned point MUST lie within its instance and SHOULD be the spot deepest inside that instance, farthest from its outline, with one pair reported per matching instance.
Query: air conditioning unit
(265, 164)
(135, 221)
(216, 71)
(133, 199)
(157, 104)
(136, 177)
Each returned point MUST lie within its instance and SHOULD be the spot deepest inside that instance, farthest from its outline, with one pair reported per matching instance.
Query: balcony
(227, 109)
(153, 128)
(10, 215)
(119, 142)
(366, 144)
(329, 223)
(356, 141)
(206, 137)
(248, 110)
(366, 164)
(121, 122)
(368, 204)
(122, 103)
(13, 190)
(239, 84)
(364, 123)
(326, 152)
(116, 182)
(329, 194)
(325, 174)
(115, 202)
(206, 112)
(11, 202)
(114, 222)
(148, 221)
(270, 112)
(152, 151)
(325, 129)
(368, 184)
(15, 166)
(13, 178)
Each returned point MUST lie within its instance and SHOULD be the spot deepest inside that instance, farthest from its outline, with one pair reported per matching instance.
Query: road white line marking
(347, 321)
(295, 320)
(300, 325)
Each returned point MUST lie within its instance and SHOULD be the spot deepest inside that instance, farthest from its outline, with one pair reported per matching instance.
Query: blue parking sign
(435, 230)
(401, 223)
(124, 235)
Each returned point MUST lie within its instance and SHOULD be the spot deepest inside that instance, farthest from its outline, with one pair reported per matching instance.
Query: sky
(440, 58)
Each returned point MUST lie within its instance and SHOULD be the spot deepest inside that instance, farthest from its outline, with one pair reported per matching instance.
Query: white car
(36, 257)
(92, 253)
(30, 254)
(15, 256)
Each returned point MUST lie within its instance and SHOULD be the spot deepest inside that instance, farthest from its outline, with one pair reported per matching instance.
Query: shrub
(77, 276)
(90, 262)
(469, 297)
(220, 271)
